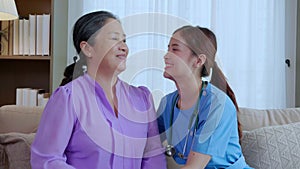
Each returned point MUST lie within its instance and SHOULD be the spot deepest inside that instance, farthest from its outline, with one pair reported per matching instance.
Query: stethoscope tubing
(170, 148)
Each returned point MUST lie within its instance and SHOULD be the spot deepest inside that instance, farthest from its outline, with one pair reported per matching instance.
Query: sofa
(18, 125)
(271, 138)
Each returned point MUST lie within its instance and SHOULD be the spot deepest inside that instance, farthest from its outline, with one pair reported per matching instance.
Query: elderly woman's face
(110, 50)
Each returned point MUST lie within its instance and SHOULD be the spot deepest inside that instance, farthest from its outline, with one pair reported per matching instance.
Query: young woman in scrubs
(98, 120)
(199, 119)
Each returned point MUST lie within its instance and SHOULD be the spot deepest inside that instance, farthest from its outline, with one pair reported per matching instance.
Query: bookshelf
(26, 71)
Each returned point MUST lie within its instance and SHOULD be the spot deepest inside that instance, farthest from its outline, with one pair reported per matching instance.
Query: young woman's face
(179, 61)
(110, 47)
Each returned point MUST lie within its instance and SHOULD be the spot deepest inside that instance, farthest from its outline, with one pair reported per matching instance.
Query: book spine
(16, 37)
(26, 37)
(32, 34)
(19, 96)
(46, 33)
(21, 36)
(33, 97)
(39, 35)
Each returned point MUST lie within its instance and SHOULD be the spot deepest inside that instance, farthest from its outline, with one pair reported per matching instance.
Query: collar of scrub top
(192, 120)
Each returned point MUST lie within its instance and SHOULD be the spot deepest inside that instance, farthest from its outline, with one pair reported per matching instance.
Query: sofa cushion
(21, 119)
(17, 149)
(272, 147)
(254, 118)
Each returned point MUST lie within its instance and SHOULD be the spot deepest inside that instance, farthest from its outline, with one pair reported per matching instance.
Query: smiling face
(109, 51)
(180, 60)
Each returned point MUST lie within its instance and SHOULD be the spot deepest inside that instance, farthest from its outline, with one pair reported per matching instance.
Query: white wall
(298, 58)
(60, 25)
(290, 52)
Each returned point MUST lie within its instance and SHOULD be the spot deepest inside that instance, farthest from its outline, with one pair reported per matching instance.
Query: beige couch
(17, 129)
(271, 137)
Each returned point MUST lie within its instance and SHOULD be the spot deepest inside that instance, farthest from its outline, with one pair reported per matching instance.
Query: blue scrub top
(216, 133)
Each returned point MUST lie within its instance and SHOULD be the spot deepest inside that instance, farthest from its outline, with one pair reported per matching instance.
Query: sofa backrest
(255, 118)
(21, 119)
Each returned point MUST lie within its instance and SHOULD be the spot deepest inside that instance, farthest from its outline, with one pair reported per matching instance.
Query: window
(252, 42)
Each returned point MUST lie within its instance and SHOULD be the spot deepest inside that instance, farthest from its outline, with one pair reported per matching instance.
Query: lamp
(8, 10)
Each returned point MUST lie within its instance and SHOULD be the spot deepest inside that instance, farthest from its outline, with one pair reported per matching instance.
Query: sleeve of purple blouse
(153, 153)
(54, 132)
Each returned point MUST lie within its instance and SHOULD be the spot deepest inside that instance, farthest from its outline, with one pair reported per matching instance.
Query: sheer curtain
(250, 34)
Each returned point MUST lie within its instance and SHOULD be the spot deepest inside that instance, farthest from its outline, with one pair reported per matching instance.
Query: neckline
(178, 102)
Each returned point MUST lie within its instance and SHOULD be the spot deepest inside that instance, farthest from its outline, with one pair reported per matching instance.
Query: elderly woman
(97, 120)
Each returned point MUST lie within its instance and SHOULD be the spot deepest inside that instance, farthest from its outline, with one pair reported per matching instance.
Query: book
(32, 34)
(43, 99)
(25, 37)
(21, 36)
(39, 35)
(19, 96)
(46, 34)
(33, 97)
(23, 96)
(16, 37)
(26, 96)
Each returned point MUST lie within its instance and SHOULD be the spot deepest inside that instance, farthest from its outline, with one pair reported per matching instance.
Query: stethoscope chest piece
(170, 151)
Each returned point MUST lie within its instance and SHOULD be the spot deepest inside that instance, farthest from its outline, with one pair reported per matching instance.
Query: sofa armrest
(21, 119)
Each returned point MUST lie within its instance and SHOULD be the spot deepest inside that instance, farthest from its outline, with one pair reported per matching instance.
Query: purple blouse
(79, 129)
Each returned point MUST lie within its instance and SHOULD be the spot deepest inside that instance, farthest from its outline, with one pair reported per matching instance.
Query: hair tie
(75, 59)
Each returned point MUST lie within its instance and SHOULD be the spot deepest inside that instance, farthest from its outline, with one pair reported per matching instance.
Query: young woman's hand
(196, 161)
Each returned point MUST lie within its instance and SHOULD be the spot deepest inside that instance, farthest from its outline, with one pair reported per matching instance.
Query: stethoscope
(170, 149)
